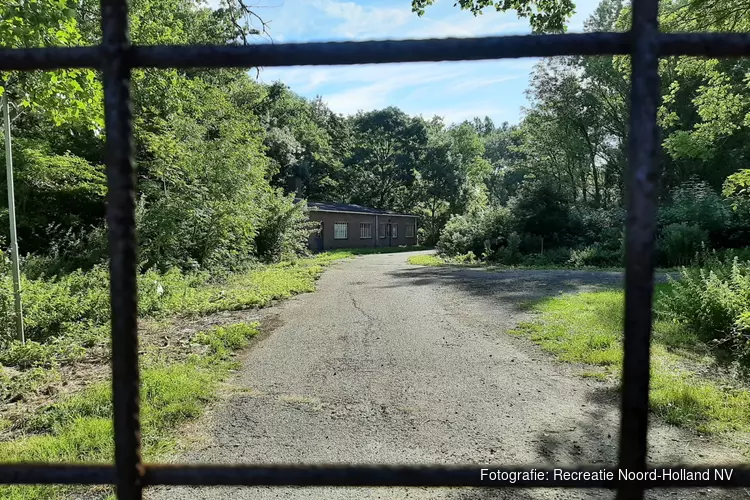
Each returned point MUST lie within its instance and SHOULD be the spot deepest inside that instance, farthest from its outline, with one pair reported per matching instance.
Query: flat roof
(349, 208)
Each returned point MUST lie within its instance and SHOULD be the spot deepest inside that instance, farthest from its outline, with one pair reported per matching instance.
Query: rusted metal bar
(423, 476)
(374, 52)
(116, 56)
(373, 475)
(50, 58)
(25, 473)
(122, 248)
(642, 178)
(385, 51)
(704, 44)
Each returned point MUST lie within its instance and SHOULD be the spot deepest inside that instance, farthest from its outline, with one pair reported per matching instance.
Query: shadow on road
(518, 287)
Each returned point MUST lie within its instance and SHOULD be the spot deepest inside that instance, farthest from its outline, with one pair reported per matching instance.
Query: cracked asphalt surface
(393, 363)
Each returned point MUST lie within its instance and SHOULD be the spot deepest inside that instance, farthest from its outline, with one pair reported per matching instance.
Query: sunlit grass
(586, 328)
(425, 260)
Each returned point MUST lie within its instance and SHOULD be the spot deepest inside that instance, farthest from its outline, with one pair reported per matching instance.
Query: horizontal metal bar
(704, 44)
(376, 52)
(50, 58)
(30, 473)
(387, 51)
(362, 475)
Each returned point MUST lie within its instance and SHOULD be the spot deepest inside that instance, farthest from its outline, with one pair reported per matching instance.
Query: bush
(467, 258)
(715, 303)
(543, 211)
(679, 243)
(603, 227)
(511, 253)
(696, 204)
(595, 256)
(557, 256)
(483, 233)
(284, 229)
(32, 354)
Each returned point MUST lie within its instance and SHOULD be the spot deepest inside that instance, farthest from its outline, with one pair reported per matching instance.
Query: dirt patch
(166, 340)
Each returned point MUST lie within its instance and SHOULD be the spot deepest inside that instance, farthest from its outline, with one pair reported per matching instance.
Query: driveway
(393, 363)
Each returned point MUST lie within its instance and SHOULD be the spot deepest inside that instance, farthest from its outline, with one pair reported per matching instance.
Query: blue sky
(454, 90)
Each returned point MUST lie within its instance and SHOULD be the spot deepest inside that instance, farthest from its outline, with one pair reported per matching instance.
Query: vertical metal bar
(122, 248)
(642, 182)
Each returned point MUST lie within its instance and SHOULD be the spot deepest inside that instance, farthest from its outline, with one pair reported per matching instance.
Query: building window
(365, 230)
(409, 231)
(394, 230)
(340, 230)
(382, 231)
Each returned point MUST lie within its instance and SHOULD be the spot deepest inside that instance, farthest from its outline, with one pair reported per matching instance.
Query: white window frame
(394, 230)
(346, 230)
(409, 231)
(365, 230)
(383, 230)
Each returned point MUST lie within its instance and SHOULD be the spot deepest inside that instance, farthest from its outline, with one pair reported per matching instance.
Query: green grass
(79, 428)
(426, 260)
(587, 328)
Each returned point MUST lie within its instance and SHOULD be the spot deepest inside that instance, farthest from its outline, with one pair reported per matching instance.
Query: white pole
(12, 219)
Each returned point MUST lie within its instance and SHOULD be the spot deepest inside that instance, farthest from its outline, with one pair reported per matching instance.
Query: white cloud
(462, 25)
(374, 86)
(476, 83)
(422, 86)
(358, 21)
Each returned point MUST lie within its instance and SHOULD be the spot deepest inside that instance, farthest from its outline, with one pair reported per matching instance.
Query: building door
(385, 233)
(319, 239)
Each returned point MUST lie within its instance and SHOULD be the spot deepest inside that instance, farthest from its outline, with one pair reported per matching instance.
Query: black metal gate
(116, 56)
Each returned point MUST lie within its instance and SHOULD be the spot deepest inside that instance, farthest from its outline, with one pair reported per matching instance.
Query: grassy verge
(79, 428)
(587, 328)
(76, 426)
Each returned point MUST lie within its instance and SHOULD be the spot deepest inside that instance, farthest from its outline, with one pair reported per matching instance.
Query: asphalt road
(393, 363)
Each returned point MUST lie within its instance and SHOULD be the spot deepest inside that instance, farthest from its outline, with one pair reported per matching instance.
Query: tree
(541, 210)
(387, 149)
(544, 15)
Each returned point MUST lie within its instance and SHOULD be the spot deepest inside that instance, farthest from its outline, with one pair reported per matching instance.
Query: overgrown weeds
(79, 428)
(714, 302)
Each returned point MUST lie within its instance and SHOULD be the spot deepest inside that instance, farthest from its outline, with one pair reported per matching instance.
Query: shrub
(603, 227)
(557, 256)
(32, 354)
(543, 211)
(511, 253)
(482, 233)
(696, 204)
(679, 243)
(467, 258)
(713, 302)
(283, 230)
(595, 256)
